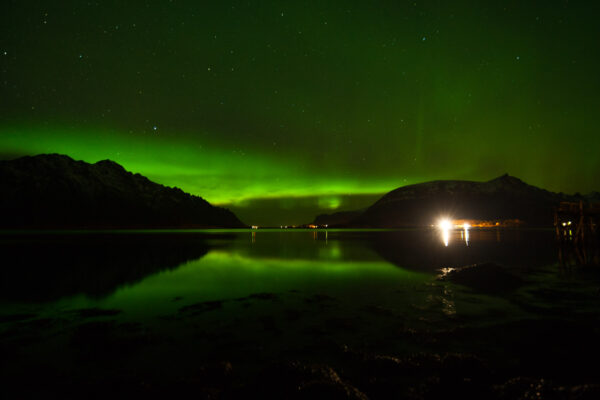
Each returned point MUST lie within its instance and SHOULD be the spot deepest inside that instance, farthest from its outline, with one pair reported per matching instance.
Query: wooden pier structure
(577, 232)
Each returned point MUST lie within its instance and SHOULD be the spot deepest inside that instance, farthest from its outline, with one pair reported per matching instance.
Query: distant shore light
(445, 224)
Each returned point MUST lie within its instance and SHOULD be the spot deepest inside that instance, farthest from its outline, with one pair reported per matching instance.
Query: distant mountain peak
(50, 157)
(507, 178)
(108, 162)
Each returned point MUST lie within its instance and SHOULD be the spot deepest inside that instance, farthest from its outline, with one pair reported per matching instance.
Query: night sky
(281, 110)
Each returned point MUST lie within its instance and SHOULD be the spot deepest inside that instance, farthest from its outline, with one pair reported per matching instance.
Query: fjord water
(163, 304)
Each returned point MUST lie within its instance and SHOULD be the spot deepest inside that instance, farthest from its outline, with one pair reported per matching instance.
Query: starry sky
(281, 110)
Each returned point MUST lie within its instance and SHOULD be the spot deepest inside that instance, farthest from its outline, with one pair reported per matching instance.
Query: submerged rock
(15, 317)
(486, 278)
(319, 298)
(96, 312)
(201, 307)
(263, 296)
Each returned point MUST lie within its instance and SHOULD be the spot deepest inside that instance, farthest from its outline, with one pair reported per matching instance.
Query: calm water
(77, 303)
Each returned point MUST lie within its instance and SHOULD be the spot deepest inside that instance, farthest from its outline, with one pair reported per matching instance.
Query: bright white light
(564, 224)
(466, 226)
(445, 224)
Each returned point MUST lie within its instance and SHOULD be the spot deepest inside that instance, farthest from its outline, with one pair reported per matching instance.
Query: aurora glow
(283, 110)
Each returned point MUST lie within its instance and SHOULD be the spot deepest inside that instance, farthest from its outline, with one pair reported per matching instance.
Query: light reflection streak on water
(445, 225)
(446, 236)
(446, 229)
(464, 235)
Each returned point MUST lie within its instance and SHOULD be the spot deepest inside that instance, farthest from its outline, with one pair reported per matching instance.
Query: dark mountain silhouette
(55, 191)
(503, 198)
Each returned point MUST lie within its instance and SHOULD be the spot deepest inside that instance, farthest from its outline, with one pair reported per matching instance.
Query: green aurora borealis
(283, 110)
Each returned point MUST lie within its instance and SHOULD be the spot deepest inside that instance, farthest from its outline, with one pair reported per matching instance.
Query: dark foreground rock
(357, 376)
(296, 380)
(485, 278)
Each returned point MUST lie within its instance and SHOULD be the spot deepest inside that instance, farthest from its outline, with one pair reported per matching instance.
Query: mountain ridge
(56, 191)
(503, 198)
